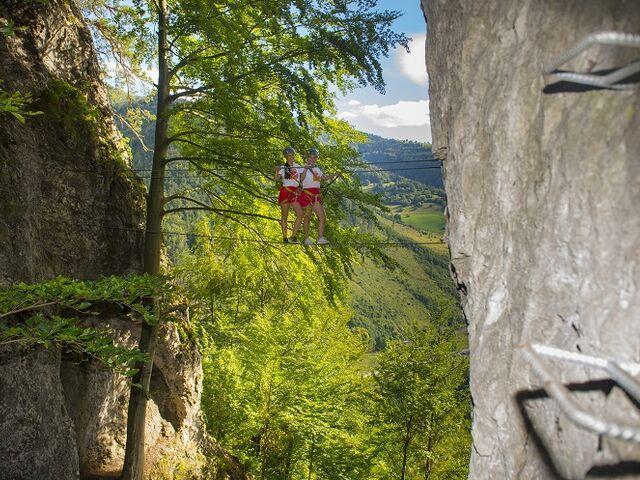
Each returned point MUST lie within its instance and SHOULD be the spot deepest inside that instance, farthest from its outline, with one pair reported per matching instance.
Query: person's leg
(284, 216)
(299, 216)
(318, 209)
(307, 221)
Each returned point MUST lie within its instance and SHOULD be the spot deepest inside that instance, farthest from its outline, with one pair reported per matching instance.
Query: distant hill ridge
(407, 153)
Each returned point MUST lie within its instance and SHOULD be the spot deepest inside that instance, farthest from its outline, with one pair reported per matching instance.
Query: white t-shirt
(294, 181)
(312, 180)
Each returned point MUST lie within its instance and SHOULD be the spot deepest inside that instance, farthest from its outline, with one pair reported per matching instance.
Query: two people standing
(301, 190)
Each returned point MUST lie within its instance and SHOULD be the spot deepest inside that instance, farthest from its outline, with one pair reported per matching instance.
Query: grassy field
(427, 218)
(385, 301)
(412, 234)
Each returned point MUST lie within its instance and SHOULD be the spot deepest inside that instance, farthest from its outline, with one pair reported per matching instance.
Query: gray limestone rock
(63, 178)
(543, 223)
(36, 434)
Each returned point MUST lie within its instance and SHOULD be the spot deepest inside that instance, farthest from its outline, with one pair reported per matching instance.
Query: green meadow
(427, 218)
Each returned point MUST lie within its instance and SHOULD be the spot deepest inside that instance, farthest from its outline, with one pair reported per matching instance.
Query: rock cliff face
(63, 179)
(543, 223)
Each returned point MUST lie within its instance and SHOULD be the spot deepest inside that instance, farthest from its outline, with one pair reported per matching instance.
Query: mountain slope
(406, 157)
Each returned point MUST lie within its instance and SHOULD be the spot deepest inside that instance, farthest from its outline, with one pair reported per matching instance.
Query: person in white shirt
(289, 194)
(311, 177)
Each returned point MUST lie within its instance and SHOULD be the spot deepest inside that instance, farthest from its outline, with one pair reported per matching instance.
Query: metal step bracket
(622, 373)
(607, 80)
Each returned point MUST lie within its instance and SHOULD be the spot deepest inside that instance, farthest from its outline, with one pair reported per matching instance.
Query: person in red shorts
(289, 194)
(311, 198)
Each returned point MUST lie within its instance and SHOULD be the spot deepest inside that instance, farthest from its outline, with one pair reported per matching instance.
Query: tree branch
(133, 130)
(212, 151)
(189, 107)
(205, 132)
(243, 188)
(264, 243)
(220, 211)
(235, 78)
(30, 307)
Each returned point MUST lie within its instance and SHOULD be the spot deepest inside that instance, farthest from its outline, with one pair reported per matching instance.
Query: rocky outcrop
(97, 400)
(543, 223)
(65, 170)
(65, 193)
(36, 432)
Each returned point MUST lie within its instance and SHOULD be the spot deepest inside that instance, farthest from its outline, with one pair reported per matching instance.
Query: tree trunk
(289, 461)
(405, 450)
(264, 443)
(428, 464)
(311, 453)
(133, 468)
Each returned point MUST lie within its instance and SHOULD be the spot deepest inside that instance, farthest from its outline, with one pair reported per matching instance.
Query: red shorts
(310, 196)
(288, 195)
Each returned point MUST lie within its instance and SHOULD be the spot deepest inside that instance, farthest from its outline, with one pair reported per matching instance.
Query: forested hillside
(407, 157)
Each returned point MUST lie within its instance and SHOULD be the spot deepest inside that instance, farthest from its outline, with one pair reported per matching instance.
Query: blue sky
(402, 112)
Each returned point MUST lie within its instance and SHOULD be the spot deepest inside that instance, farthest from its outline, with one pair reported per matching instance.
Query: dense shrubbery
(51, 314)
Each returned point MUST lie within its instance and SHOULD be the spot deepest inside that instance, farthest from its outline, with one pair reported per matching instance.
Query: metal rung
(603, 81)
(621, 373)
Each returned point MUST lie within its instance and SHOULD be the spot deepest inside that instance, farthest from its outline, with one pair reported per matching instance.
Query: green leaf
(19, 116)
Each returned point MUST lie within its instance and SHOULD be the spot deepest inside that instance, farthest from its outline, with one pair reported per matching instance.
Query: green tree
(234, 85)
(424, 404)
(285, 387)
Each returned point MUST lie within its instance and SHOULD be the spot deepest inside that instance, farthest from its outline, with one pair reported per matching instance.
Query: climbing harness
(294, 195)
(316, 197)
(289, 193)
(621, 373)
(620, 78)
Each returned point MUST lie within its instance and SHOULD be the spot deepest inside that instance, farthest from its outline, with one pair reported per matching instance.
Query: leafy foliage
(282, 367)
(7, 27)
(16, 104)
(64, 332)
(49, 313)
(246, 80)
(424, 406)
(287, 388)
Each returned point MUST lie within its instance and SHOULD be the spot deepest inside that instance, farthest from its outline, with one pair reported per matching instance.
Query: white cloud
(401, 114)
(402, 120)
(412, 63)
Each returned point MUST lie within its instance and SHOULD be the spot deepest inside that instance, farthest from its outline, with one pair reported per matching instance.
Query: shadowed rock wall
(63, 176)
(543, 223)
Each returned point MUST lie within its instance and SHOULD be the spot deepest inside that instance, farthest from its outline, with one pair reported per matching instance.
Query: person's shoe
(308, 241)
(322, 241)
(285, 240)
(293, 240)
